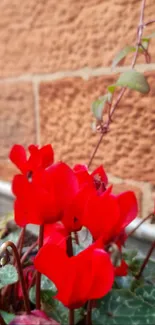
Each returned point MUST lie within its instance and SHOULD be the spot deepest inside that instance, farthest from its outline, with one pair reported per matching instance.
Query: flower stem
(69, 246)
(30, 249)
(38, 275)
(89, 311)
(76, 237)
(146, 260)
(19, 244)
(21, 241)
(70, 254)
(20, 272)
(71, 317)
(105, 127)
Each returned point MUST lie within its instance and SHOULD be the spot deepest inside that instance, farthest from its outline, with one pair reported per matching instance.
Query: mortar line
(84, 73)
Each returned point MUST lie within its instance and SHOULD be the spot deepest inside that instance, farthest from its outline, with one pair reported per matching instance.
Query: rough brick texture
(127, 151)
(17, 120)
(47, 36)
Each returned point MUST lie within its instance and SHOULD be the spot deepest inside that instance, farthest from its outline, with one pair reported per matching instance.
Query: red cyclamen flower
(39, 158)
(107, 215)
(44, 198)
(88, 275)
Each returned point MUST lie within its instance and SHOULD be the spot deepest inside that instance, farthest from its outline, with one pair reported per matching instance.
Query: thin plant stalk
(38, 275)
(21, 243)
(146, 260)
(70, 254)
(89, 312)
(105, 128)
(20, 272)
(30, 249)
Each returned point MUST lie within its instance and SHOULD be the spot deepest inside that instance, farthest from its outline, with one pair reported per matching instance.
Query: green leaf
(7, 316)
(8, 275)
(130, 255)
(47, 284)
(111, 88)
(48, 290)
(133, 80)
(122, 54)
(60, 313)
(145, 43)
(13, 236)
(124, 282)
(121, 307)
(99, 105)
(32, 294)
(149, 272)
(147, 293)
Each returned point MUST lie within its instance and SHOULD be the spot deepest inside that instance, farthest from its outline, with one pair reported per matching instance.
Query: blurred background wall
(55, 59)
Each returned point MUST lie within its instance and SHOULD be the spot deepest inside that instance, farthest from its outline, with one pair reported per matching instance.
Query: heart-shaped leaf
(122, 54)
(48, 290)
(99, 105)
(133, 80)
(147, 293)
(149, 271)
(8, 275)
(121, 307)
(60, 313)
(7, 316)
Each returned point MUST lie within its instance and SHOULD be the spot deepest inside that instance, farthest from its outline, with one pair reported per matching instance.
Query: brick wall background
(55, 60)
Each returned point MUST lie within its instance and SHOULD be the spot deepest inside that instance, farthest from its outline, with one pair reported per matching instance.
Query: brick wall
(54, 61)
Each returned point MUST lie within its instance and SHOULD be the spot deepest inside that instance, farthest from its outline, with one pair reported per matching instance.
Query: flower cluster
(64, 200)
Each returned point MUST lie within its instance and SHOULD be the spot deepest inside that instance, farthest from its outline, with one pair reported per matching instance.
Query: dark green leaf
(32, 294)
(98, 106)
(130, 255)
(57, 311)
(133, 80)
(8, 275)
(149, 271)
(136, 283)
(121, 307)
(13, 236)
(147, 293)
(48, 290)
(122, 54)
(7, 316)
(47, 284)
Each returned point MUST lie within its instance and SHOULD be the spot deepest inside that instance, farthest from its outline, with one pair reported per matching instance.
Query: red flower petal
(55, 233)
(18, 156)
(82, 277)
(34, 203)
(101, 173)
(82, 175)
(47, 155)
(58, 268)
(73, 214)
(128, 208)
(65, 184)
(102, 215)
(101, 265)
